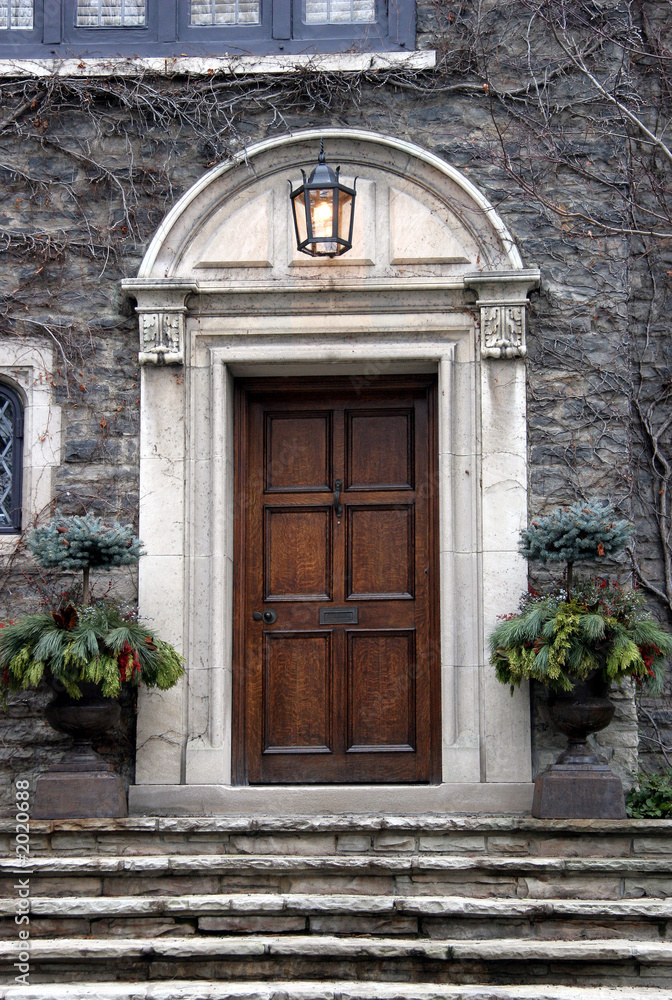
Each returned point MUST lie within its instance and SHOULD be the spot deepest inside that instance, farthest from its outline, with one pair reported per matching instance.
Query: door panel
(381, 690)
(381, 552)
(297, 553)
(379, 453)
(298, 452)
(350, 695)
(297, 692)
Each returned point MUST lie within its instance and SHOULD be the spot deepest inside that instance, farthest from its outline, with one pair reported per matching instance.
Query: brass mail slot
(339, 616)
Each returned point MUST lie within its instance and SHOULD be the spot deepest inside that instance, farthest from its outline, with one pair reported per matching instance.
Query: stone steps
(368, 904)
(323, 835)
(403, 874)
(180, 990)
(341, 914)
(269, 957)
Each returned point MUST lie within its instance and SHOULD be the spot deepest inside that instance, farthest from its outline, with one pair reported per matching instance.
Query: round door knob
(265, 616)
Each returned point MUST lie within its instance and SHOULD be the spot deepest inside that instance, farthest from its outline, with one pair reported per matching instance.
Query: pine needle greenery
(580, 533)
(101, 643)
(561, 637)
(71, 542)
(558, 640)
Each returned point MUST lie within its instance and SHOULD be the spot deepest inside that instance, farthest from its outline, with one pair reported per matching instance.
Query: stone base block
(573, 793)
(83, 795)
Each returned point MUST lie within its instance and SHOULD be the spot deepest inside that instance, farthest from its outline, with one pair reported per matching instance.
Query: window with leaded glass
(204, 12)
(340, 11)
(110, 14)
(110, 29)
(11, 460)
(16, 14)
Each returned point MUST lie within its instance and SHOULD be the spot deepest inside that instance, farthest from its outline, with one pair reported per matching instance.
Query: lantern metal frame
(323, 178)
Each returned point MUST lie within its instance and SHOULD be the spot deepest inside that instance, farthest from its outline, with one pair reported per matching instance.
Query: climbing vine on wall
(556, 109)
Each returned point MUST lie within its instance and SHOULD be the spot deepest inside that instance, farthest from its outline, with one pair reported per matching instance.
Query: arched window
(11, 460)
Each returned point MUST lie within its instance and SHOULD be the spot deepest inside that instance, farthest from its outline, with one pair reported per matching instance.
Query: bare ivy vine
(565, 108)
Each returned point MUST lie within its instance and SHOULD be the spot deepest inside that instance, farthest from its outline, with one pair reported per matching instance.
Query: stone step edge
(177, 864)
(185, 990)
(308, 904)
(353, 823)
(65, 950)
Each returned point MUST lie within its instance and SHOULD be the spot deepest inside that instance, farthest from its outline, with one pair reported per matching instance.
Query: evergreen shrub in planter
(577, 638)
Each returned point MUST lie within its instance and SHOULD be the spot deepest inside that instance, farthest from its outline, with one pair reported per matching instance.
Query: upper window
(16, 14)
(108, 28)
(225, 12)
(11, 460)
(109, 14)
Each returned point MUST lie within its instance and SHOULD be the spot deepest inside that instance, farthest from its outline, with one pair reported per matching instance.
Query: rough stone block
(345, 924)
(507, 845)
(145, 927)
(450, 843)
(393, 842)
(297, 845)
(259, 924)
(357, 843)
(652, 845)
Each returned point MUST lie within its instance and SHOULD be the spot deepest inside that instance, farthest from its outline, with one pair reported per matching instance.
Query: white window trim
(336, 62)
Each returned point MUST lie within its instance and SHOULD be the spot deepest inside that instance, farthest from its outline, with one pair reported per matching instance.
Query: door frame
(186, 579)
(206, 319)
(242, 389)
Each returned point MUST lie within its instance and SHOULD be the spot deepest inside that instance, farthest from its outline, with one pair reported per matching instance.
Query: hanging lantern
(324, 211)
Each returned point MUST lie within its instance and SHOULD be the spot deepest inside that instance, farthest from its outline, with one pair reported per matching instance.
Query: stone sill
(338, 62)
(323, 824)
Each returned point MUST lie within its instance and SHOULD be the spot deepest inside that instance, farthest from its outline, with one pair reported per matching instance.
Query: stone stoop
(342, 908)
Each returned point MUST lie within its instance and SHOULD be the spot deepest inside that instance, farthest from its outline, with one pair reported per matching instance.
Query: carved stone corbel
(502, 300)
(161, 337)
(162, 314)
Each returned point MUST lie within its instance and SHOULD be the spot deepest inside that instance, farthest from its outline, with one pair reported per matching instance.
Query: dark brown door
(334, 676)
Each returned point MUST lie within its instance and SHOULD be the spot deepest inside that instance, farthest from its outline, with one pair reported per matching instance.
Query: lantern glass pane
(299, 206)
(344, 215)
(322, 219)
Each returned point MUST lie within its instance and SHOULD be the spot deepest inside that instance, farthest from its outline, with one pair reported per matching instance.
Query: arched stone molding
(434, 282)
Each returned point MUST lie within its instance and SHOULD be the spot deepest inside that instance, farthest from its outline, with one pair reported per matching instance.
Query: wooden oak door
(335, 676)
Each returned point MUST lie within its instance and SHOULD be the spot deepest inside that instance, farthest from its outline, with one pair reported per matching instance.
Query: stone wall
(90, 167)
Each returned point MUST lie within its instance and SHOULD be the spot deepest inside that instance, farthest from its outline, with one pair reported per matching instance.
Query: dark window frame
(7, 393)
(169, 35)
(99, 38)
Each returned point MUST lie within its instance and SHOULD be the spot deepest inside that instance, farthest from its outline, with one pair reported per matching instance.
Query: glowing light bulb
(323, 215)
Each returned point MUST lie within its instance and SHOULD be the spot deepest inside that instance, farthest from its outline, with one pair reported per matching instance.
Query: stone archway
(434, 283)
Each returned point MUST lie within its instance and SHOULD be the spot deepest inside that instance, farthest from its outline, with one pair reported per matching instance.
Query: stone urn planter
(576, 637)
(88, 653)
(82, 783)
(579, 785)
